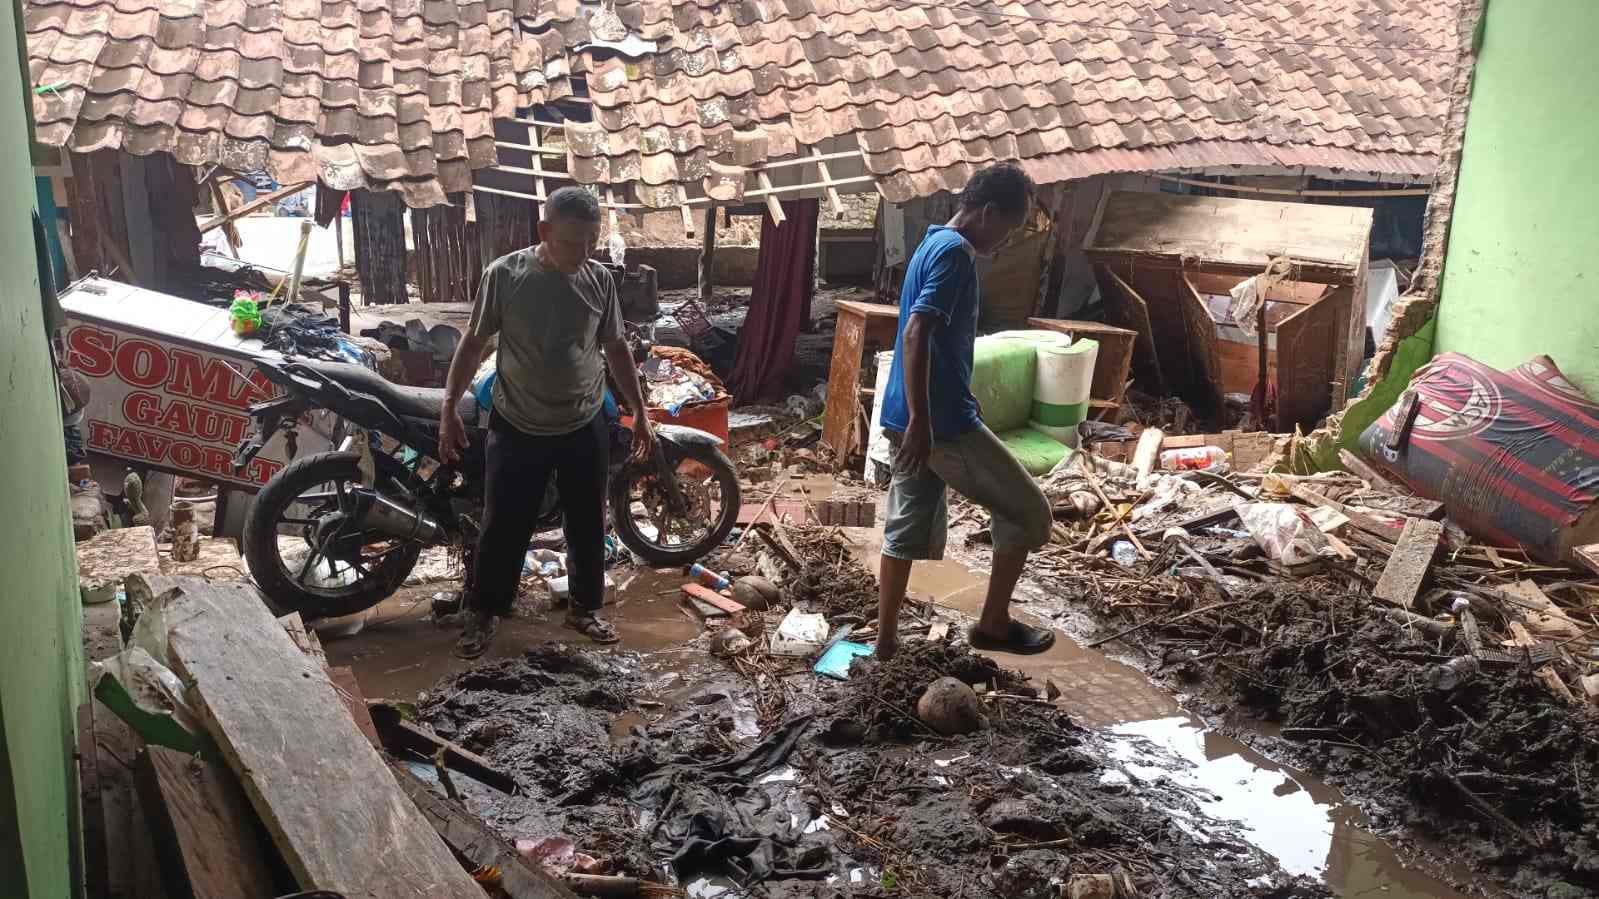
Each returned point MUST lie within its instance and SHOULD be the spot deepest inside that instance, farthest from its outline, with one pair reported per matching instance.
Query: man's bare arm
(619, 357)
(917, 443)
(468, 356)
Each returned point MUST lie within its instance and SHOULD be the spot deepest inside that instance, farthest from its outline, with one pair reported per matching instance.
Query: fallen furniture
(1166, 263)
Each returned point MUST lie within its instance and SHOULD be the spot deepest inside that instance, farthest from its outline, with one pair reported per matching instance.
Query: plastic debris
(800, 634)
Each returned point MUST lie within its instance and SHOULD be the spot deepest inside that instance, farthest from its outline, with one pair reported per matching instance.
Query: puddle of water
(1303, 823)
(402, 652)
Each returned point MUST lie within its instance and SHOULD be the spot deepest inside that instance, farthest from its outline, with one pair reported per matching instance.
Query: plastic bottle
(708, 577)
(1192, 458)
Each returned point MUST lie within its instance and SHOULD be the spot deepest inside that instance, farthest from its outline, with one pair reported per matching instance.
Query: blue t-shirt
(941, 280)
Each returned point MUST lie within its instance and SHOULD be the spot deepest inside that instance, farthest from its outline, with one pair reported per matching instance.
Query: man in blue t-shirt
(930, 413)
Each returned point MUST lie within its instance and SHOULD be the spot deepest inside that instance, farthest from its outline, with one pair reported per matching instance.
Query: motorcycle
(336, 532)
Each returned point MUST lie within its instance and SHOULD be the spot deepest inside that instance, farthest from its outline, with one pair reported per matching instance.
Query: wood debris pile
(1398, 652)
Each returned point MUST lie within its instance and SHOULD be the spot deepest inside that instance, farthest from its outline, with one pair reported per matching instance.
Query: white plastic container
(1065, 377)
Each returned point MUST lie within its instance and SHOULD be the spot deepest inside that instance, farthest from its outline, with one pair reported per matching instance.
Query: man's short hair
(1004, 184)
(572, 204)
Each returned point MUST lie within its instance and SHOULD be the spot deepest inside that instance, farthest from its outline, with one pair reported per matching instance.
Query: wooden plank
(1133, 311)
(1408, 565)
(849, 342)
(1543, 617)
(1357, 518)
(253, 205)
(1404, 418)
(1587, 556)
(711, 597)
(1202, 342)
(468, 835)
(1147, 455)
(1590, 687)
(1359, 468)
(402, 737)
(304, 640)
(349, 689)
(1306, 348)
(205, 826)
(707, 276)
(1231, 234)
(326, 796)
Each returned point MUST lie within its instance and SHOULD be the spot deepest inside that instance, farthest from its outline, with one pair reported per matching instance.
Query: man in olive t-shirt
(559, 323)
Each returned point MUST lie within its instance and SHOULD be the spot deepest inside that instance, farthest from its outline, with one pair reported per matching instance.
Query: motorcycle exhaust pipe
(379, 513)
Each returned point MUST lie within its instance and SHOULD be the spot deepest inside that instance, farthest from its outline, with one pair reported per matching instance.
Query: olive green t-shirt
(553, 329)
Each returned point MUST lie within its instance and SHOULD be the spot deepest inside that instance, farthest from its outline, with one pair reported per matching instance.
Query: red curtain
(780, 302)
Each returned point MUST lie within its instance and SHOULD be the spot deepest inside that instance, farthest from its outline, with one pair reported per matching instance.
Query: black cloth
(720, 817)
(298, 330)
(517, 472)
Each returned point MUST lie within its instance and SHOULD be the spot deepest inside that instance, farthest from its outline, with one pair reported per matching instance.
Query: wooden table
(858, 324)
(1111, 366)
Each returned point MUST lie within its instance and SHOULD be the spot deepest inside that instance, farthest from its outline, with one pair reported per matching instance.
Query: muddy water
(401, 652)
(1304, 823)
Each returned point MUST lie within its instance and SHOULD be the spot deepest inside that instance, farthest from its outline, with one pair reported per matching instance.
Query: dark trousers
(517, 472)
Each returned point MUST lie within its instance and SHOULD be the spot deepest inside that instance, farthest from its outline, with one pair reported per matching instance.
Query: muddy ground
(851, 796)
(1486, 767)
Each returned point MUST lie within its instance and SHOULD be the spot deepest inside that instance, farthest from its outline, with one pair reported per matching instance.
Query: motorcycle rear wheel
(710, 483)
(340, 577)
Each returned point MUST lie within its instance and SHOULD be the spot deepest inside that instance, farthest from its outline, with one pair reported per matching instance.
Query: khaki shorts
(981, 469)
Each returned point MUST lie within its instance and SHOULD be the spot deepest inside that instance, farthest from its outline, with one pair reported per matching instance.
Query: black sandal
(1023, 639)
(594, 627)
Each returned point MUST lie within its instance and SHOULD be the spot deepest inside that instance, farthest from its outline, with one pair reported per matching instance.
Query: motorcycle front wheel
(306, 556)
(646, 523)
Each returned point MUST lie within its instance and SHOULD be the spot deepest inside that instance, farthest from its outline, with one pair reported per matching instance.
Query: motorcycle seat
(409, 402)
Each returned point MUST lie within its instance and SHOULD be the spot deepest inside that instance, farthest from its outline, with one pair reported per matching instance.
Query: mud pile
(545, 718)
(853, 799)
(1006, 812)
(1482, 758)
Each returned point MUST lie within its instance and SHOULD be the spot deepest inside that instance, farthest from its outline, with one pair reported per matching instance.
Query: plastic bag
(483, 382)
(1284, 532)
(1245, 307)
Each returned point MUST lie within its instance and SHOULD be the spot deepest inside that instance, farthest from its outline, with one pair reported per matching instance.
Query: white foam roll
(1061, 390)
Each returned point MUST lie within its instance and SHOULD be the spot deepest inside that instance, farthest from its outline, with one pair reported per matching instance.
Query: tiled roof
(402, 94)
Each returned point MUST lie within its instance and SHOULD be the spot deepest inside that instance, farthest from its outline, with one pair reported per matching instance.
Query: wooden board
(1147, 455)
(1408, 565)
(410, 740)
(1543, 617)
(350, 691)
(325, 794)
(1132, 312)
(1361, 469)
(1307, 343)
(1230, 234)
(1203, 343)
(218, 558)
(306, 641)
(1587, 556)
(468, 835)
(843, 379)
(106, 560)
(204, 823)
(712, 598)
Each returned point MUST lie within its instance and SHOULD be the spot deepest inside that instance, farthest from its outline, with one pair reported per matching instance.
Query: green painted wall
(41, 656)
(1522, 273)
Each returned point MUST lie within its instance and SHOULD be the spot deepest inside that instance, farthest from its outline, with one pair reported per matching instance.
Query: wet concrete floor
(1305, 824)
